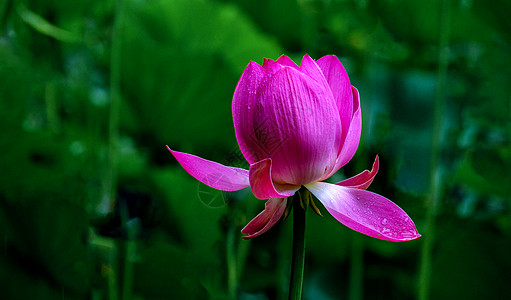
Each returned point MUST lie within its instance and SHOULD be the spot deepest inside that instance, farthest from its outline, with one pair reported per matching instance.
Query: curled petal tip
(262, 185)
(364, 179)
(264, 221)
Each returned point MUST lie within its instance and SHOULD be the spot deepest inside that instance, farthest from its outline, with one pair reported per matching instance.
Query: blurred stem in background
(435, 189)
(43, 26)
(128, 247)
(4, 5)
(115, 102)
(232, 263)
(357, 267)
(50, 97)
(106, 251)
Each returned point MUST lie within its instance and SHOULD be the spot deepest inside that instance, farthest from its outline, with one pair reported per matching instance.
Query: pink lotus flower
(296, 126)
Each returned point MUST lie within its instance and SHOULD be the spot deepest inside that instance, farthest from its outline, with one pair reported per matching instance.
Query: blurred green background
(92, 205)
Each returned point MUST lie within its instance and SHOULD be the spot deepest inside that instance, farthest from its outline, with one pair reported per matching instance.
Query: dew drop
(385, 230)
(384, 221)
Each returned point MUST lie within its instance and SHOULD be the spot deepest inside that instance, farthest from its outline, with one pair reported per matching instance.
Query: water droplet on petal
(384, 221)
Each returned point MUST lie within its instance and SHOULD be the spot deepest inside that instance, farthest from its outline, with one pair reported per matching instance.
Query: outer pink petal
(262, 185)
(340, 86)
(353, 135)
(212, 173)
(352, 139)
(286, 61)
(365, 212)
(311, 68)
(362, 180)
(243, 104)
(297, 127)
(271, 67)
(274, 208)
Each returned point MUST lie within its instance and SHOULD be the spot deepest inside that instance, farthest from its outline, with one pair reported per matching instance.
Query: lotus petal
(212, 173)
(295, 124)
(262, 185)
(365, 212)
(274, 208)
(362, 180)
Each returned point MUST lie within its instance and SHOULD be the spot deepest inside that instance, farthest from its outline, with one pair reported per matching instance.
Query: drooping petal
(365, 212)
(362, 180)
(340, 85)
(243, 103)
(274, 208)
(297, 127)
(212, 173)
(262, 185)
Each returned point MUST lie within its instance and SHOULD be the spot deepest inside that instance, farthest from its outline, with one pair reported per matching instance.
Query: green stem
(129, 251)
(298, 261)
(115, 104)
(115, 91)
(129, 247)
(435, 188)
(4, 8)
